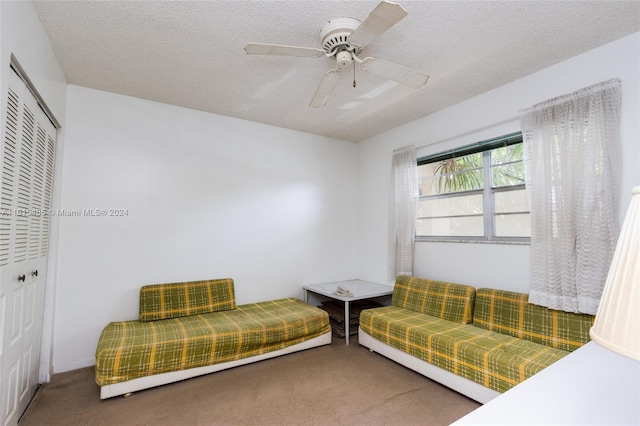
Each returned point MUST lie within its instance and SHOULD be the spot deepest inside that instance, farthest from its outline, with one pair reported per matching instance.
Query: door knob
(22, 277)
(34, 273)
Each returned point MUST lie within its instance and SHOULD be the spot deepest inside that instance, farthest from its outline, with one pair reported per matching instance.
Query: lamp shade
(617, 323)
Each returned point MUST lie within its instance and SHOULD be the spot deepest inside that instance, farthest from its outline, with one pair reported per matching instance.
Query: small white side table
(360, 290)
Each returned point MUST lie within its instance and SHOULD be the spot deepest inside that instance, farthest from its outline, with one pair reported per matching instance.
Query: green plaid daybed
(480, 343)
(189, 329)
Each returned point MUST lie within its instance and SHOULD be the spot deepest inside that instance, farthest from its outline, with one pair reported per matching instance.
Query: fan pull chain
(354, 74)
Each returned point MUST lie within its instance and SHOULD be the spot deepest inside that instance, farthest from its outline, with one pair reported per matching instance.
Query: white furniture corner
(590, 386)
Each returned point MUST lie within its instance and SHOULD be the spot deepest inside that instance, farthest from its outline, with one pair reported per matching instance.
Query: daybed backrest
(510, 313)
(450, 301)
(162, 301)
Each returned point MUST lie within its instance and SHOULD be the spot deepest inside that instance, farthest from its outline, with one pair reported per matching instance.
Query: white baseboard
(69, 366)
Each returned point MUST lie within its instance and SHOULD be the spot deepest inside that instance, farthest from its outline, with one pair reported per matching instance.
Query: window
(474, 192)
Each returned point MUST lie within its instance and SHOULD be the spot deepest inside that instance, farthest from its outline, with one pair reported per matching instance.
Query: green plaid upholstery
(494, 360)
(449, 301)
(510, 313)
(162, 301)
(130, 349)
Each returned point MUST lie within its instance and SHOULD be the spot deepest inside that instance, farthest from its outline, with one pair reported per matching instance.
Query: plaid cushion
(162, 301)
(130, 349)
(453, 302)
(494, 360)
(510, 313)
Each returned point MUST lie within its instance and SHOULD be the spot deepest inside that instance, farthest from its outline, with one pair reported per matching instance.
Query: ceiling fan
(343, 39)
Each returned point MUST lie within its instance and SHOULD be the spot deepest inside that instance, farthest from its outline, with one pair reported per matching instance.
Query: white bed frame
(125, 388)
(465, 386)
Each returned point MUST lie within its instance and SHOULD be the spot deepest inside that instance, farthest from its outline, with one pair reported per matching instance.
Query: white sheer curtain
(402, 214)
(572, 156)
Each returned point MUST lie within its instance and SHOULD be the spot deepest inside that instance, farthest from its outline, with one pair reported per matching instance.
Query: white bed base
(108, 391)
(466, 387)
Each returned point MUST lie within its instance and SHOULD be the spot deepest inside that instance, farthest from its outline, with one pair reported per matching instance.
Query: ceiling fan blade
(383, 17)
(326, 87)
(280, 50)
(395, 72)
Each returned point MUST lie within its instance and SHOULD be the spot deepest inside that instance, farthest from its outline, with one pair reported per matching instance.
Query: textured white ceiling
(191, 53)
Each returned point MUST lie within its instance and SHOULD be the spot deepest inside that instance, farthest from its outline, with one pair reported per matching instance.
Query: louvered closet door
(25, 199)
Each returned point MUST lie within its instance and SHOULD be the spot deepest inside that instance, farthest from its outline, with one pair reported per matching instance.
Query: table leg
(306, 296)
(347, 320)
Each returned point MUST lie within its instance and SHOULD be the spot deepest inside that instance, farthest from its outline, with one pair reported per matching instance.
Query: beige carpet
(330, 385)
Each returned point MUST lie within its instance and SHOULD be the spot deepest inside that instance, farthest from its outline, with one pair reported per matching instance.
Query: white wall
(22, 35)
(207, 197)
(493, 113)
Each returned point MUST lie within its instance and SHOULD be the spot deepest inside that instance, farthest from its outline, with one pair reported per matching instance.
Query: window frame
(487, 192)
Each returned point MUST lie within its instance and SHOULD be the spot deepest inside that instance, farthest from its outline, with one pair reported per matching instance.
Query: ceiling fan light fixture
(343, 59)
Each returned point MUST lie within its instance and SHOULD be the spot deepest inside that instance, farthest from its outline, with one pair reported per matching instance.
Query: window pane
(507, 154)
(508, 175)
(453, 175)
(507, 168)
(511, 201)
(513, 225)
(425, 176)
(451, 206)
(470, 226)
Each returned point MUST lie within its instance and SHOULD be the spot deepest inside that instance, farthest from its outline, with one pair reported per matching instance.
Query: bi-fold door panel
(25, 195)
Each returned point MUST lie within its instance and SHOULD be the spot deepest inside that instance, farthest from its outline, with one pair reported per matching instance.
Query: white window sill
(447, 240)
